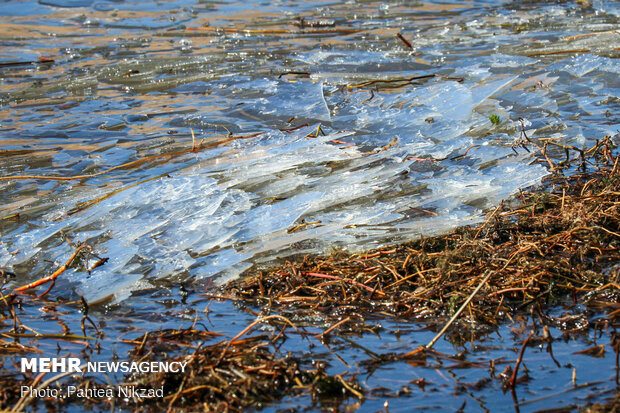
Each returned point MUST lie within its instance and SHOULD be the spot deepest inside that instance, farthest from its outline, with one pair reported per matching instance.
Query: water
(130, 79)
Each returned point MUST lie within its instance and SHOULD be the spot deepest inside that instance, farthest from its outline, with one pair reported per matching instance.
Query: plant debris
(549, 245)
(237, 376)
(556, 245)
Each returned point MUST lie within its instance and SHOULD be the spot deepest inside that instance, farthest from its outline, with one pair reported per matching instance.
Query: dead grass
(556, 244)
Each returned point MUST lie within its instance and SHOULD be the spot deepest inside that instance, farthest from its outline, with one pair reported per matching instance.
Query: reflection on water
(340, 122)
(347, 125)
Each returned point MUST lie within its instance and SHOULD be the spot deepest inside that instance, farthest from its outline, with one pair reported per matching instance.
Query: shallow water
(130, 79)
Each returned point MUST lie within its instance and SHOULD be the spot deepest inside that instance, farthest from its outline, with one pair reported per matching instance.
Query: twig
(349, 388)
(252, 324)
(40, 336)
(56, 273)
(332, 328)
(272, 31)
(301, 226)
(513, 379)
(590, 34)
(385, 148)
(407, 42)
(333, 277)
(83, 205)
(402, 80)
(488, 220)
(460, 310)
(128, 164)
(541, 150)
(176, 395)
(558, 52)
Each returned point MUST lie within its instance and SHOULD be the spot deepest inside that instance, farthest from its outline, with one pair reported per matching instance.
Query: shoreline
(546, 247)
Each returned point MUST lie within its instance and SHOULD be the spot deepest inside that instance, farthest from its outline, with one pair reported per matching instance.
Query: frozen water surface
(335, 134)
(339, 125)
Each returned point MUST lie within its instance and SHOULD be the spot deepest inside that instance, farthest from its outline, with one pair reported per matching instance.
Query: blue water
(132, 79)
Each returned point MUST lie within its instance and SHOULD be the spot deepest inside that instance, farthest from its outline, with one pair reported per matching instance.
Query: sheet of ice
(607, 6)
(227, 261)
(587, 63)
(116, 287)
(304, 99)
(276, 217)
(5, 256)
(212, 216)
(375, 162)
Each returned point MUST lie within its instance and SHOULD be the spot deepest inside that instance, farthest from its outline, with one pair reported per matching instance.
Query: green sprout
(495, 119)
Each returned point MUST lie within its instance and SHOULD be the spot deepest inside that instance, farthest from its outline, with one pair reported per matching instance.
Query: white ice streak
(229, 205)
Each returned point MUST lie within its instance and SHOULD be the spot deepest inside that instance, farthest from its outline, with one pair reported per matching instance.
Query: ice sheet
(344, 139)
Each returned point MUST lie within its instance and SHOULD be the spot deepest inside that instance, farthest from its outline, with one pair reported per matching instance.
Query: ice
(5, 256)
(26, 245)
(288, 99)
(231, 272)
(526, 101)
(211, 220)
(607, 6)
(277, 217)
(212, 216)
(223, 260)
(450, 100)
(333, 135)
(582, 65)
(502, 60)
(340, 59)
(485, 90)
(111, 286)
